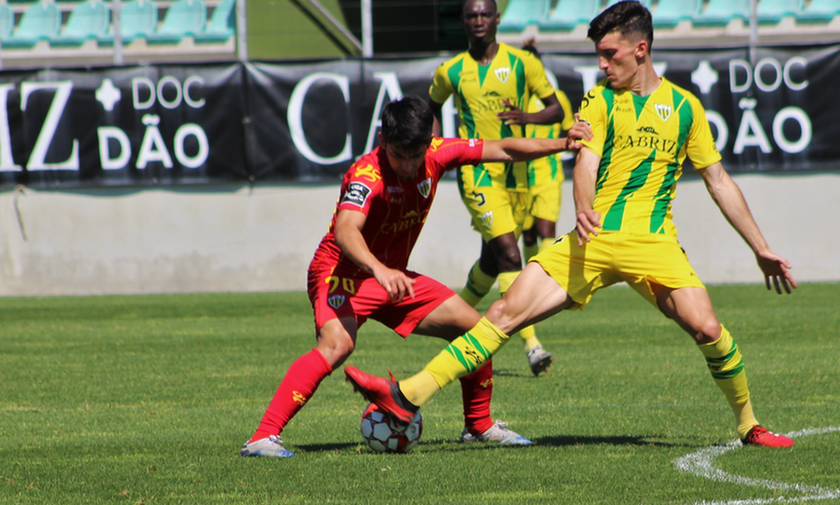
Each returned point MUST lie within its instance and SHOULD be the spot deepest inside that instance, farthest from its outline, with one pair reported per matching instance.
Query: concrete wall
(234, 238)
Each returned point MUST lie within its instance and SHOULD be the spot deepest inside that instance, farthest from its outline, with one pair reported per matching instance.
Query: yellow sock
(528, 334)
(727, 367)
(529, 251)
(478, 284)
(462, 356)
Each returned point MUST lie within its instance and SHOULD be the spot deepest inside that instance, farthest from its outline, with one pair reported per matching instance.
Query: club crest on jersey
(425, 187)
(487, 219)
(664, 111)
(336, 301)
(502, 74)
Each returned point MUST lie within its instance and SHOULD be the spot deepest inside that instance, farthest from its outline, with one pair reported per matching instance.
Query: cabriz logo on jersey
(357, 194)
(503, 74)
(664, 111)
(425, 187)
(336, 301)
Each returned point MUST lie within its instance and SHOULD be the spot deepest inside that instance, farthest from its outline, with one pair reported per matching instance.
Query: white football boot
(498, 433)
(266, 447)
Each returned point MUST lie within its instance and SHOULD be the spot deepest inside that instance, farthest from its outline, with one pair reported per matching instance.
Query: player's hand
(776, 268)
(588, 221)
(579, 131)
(396, 283)
(514, 115)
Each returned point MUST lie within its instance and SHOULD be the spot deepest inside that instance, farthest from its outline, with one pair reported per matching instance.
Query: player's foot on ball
(499, 433)
(539, 359)
(384, 393)
(760, 436)
(269, 447)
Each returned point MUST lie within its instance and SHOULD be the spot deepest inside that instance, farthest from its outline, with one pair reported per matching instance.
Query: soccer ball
(383, 433)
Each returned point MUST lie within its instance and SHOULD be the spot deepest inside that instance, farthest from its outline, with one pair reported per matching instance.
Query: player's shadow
(571, 440)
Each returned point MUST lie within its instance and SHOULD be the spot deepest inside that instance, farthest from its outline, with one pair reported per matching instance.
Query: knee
(336, 347)
(509, 259)
(706, 331)
(498, 315)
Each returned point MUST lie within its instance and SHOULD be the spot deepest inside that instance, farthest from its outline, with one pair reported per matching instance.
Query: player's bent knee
(498, 314)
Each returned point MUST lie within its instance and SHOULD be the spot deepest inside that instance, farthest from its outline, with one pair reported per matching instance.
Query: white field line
(700, 463)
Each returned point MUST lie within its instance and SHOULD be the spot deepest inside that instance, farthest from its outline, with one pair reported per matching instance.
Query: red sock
(300, 382)
(476, 390)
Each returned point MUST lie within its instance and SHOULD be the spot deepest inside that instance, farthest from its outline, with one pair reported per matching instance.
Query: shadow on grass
(565, 441)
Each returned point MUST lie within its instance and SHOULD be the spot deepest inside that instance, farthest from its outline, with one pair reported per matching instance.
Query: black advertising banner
(308, 121)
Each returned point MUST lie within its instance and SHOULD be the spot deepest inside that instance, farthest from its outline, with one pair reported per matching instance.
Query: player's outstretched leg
(476, 391)
(538, 358)
(382, 392)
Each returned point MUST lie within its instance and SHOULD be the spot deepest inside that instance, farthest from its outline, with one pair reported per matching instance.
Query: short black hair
(495, 5)
(626, 16)
(408, 122)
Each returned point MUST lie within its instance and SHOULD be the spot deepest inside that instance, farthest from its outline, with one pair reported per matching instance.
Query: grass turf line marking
(700, 463)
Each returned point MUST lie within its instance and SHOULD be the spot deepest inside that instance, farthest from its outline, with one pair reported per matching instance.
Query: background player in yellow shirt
(545, 176)
(643, 128)
(492, 84)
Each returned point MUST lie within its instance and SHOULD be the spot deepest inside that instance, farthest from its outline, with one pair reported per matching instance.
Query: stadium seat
(185, 17)
(670, 12)
(137, 20)
(521, 13)
(221, 26)
(721, 12)
(772, 11)
(7, 22)
(88, 20)
(819, 11)
(570, 13)
(39, 22)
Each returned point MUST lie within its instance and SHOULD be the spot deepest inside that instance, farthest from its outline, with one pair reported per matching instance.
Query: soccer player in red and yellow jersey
(491, 84)
(624, 181)
(359, 271)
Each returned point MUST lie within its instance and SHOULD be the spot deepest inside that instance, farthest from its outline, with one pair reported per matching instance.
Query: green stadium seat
(7, 21)
(669, 13)
(570, 13)
(721, 12)
(819, 11)
(88, 20)
(222, 24)
(183, 18)
(39, 22)
(521, 13)
(138, 19)
(772, 11)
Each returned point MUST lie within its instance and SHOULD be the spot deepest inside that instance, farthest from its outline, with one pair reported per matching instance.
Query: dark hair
(407, 122)
(495, 6)
(626, 16)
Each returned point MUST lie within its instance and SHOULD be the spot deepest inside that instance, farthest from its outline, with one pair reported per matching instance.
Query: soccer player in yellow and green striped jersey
(624, 180)
(492, 84)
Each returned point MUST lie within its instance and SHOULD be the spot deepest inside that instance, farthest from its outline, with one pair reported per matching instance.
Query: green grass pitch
(147, 400)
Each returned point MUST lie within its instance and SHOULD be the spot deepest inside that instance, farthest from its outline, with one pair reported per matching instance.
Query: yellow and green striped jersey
(642, 142)
(480, 91)
(550, 168)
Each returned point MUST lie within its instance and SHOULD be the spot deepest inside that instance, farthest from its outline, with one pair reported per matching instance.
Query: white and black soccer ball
(383, 433)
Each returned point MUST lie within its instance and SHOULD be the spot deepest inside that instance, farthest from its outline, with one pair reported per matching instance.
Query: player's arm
(348, 237)
(585, 176)
(728, 197)
(552, 113)
(437, 110)
(524, 149)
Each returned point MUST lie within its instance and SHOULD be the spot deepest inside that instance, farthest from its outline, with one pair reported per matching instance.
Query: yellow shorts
(545, 202)
(612, 257)
(495, 210)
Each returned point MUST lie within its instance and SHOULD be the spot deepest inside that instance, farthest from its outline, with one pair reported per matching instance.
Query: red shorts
(333, 297)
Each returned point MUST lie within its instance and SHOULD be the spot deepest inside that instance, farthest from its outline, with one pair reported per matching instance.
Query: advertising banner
(308, 121)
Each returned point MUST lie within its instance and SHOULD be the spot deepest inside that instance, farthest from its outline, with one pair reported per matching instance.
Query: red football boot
(382, 392)
(760, 436)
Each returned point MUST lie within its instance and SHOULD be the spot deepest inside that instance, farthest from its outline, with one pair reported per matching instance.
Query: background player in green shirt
(492, 84)
(643, 128)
